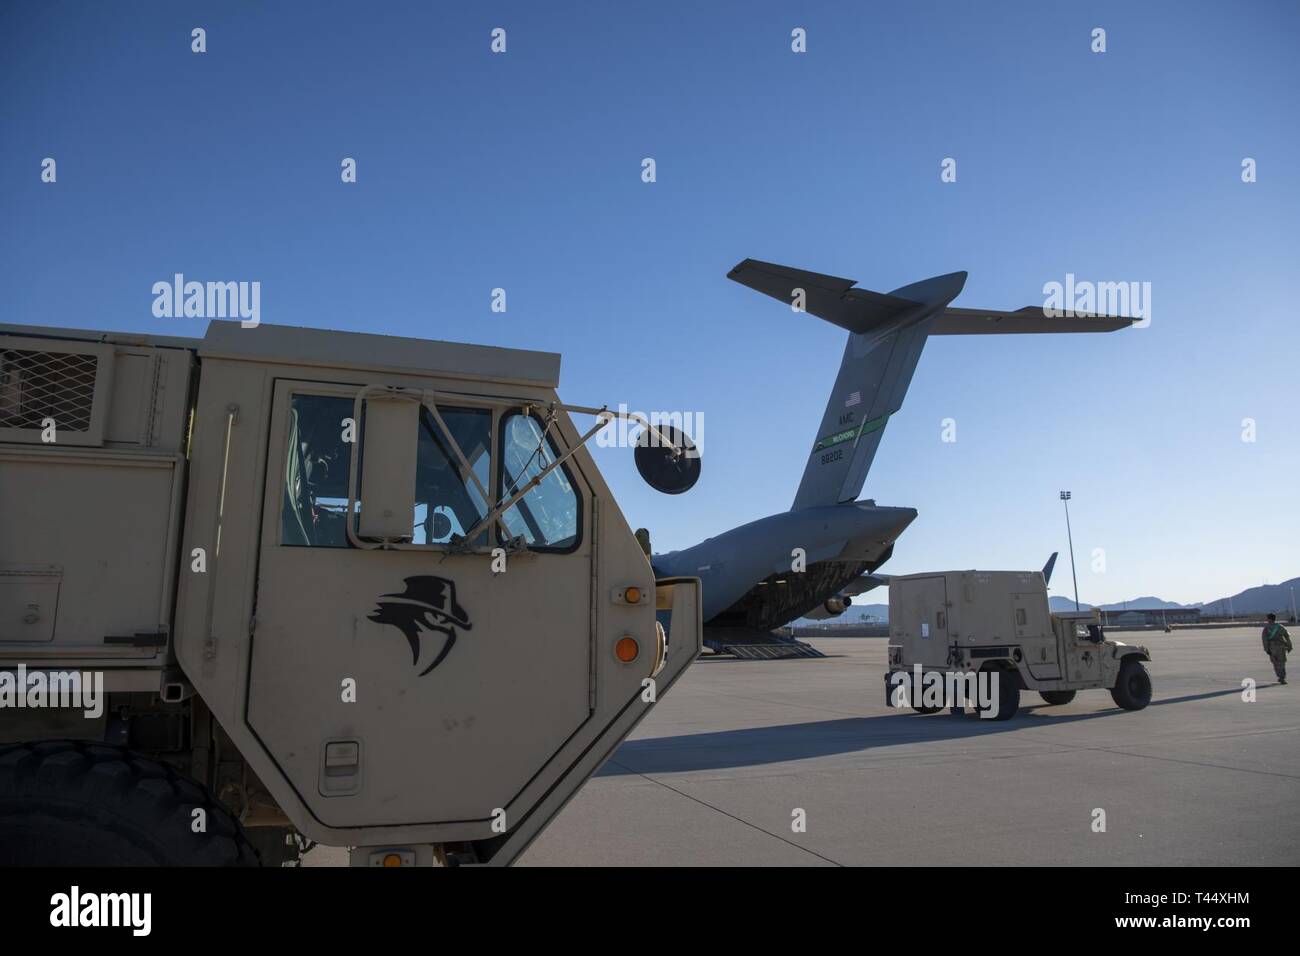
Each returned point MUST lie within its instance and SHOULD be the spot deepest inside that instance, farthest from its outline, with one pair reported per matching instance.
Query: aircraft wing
(863, 584)
(827, 297)
(1029, 319)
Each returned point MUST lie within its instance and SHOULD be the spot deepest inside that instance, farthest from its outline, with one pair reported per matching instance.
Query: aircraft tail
(887, 332)
(886, 335)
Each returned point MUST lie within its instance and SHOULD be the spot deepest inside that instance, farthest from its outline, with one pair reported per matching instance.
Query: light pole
(1065, 496)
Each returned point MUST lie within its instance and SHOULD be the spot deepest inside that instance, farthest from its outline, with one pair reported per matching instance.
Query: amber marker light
(632, 595)
(627, 649)
(392, 859)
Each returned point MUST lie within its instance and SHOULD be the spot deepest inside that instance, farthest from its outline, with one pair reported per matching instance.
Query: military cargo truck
(278, 586)
(973, 622)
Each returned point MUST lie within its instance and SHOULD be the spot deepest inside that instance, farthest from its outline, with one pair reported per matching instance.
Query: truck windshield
(547, 518)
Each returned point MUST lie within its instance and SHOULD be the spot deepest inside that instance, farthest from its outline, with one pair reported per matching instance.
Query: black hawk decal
(427, 604)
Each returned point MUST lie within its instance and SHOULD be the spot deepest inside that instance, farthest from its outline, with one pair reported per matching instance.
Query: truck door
(1082, 655)
(1035, 635)
(925, 620)
(378, 675)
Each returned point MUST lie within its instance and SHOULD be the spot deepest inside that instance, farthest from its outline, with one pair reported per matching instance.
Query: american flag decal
(855, 398)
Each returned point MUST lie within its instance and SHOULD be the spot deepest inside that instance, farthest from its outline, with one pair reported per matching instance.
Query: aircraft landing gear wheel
(1057, 696)
(1008, 701)
(927, 710)
(1132, 689)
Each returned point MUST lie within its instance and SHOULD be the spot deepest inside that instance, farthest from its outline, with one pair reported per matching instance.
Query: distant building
(1139, 617)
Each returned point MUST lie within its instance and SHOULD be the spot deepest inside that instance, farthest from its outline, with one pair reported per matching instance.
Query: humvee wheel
(65, 803)
(1057, 696)
(1132, 689)
(1008, 697)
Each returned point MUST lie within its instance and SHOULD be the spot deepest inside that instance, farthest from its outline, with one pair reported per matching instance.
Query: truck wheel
(1008, 697)
(65, 803)
(1057, 696)
(1132, 689)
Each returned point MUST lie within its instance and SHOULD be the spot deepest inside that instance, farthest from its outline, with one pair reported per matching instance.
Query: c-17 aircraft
(750, 586)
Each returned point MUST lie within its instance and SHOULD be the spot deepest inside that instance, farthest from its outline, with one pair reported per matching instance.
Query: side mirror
(671, 469)
(389, 449)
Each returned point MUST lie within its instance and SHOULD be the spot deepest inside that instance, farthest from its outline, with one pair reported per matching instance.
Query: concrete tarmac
(715, 774)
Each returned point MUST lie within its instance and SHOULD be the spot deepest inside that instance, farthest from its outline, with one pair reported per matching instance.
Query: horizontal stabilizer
(827, 297)
(1029, 319)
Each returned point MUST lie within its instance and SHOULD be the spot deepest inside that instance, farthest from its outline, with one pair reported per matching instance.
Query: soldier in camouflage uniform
(1276, 644)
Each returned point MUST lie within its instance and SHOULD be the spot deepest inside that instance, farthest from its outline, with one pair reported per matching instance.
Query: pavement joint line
(1201, 763)
(1127, 753)
(1251, 733)
(753, 826)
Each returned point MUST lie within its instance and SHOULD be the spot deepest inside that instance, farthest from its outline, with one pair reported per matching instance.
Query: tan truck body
(183, 529)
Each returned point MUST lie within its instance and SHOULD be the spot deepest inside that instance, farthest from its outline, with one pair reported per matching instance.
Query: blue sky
(522, 171)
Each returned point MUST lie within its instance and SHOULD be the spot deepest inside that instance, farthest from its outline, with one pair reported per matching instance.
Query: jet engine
(833, 606)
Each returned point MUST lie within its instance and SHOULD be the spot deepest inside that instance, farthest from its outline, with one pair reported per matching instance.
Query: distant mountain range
(1267, 597)
(1137, 604)
(1260, 600)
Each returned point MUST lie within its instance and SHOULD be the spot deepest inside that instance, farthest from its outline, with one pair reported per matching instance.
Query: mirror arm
(606, 415)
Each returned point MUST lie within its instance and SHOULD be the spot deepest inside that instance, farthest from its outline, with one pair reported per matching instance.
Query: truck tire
(1057, 696)
(1008, 697)
(66, 803)
(1132, 689)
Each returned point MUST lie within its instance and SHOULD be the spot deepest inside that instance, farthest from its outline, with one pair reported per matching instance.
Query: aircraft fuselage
(769, 553)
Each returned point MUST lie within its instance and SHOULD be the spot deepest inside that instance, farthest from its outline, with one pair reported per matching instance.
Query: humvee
(280, 586)
(968, 622)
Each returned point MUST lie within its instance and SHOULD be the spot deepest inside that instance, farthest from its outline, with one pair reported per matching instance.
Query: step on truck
(959, 623)
(276, 587)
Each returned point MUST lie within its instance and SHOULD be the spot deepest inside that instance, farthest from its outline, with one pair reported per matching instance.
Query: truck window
(316, 473)
(548, 517)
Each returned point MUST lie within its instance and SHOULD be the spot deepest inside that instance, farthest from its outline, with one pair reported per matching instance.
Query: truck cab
(355, 589)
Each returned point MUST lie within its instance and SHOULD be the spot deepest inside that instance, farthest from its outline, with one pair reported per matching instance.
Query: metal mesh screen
(39, 385)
